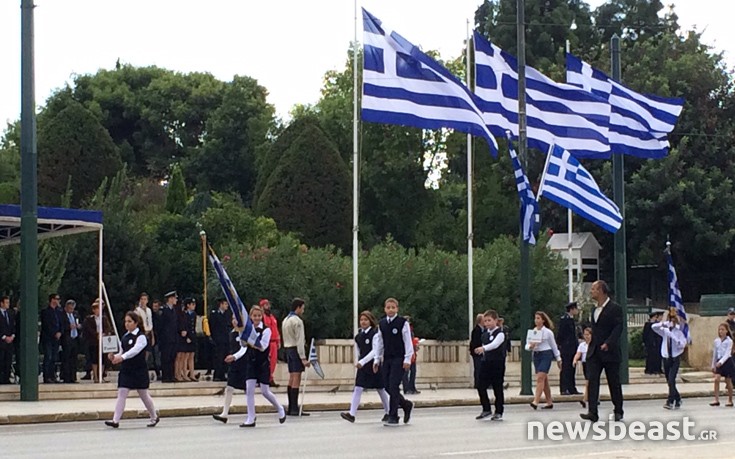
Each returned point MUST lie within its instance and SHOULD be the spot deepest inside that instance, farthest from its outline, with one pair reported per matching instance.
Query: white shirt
(147, 316)
(722, 351)
(547, 343)
(264, 343)
(139, 345)
(496, 342)
(678, 340)
(407, 343)
(582, 349)
(598, 310)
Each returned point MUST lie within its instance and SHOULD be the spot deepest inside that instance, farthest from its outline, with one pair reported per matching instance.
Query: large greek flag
(557, 113)
(529, 205)
(569, 184)
(639, 123)
(248, 333)
(675, 300)
(404, 86)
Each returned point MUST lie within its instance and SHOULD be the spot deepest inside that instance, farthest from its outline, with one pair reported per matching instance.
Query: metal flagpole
(100, 287)
(470, 235)
(570, 277)
(355, 186)
(304, 381)
(205, 319)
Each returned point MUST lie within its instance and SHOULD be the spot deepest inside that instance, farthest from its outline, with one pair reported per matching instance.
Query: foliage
(176, 196)
(636, 349)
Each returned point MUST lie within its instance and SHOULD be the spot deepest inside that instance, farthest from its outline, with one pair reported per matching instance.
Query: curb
(332, 406)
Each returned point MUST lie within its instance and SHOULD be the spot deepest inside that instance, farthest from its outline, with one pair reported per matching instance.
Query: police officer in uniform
(567, 342)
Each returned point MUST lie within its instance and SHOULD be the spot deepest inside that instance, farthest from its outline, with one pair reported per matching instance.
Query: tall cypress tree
(176, 195)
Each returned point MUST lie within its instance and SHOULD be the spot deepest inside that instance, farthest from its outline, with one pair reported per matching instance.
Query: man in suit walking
(604, 351)
(567, 341)
(7, 338)
(69, 342)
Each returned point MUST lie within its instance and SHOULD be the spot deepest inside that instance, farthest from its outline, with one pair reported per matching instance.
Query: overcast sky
(287, 45)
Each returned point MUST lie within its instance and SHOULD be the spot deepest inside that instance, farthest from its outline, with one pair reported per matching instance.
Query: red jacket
(271, 322)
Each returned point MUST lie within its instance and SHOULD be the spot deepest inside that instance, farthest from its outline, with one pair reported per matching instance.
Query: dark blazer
(89, 329)
(220, 325)
(168, 326)
(50, 323)
(607, 330)
(566, 338)
(475, 339)
(7, 328)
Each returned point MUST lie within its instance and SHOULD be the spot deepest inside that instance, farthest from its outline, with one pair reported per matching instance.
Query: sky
(287, 45)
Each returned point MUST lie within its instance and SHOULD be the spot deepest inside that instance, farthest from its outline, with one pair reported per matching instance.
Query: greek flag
(529, 205)
(404, 86)
(639, 123)
(557, 113)
(675, 300)
(314, 360)
(569, 184)
(248, 333)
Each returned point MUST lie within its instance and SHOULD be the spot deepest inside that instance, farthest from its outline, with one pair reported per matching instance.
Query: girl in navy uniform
(235, 374)
(581, 356)
(258, 368)
(133, 370)
(187, 340)
(722, 363)
(544, 352)
(366, 378)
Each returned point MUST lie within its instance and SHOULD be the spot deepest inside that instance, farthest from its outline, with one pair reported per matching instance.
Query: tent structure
(52, 222)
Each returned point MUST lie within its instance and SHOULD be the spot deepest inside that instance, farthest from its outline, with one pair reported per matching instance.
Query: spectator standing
(51, 330)
(219, 325)
(270, 321)
(70, 342)
(7, 339)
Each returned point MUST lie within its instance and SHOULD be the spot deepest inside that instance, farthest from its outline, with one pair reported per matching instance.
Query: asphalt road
(432, 432)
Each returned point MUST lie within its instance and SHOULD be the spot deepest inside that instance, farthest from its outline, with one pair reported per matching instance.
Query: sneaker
(347, 417)
(391, 422)
(386, 416)
(496, 417)
(668, 406)
(483, 415)
(407, 408)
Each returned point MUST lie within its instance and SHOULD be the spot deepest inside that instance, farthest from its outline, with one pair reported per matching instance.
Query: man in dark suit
(70, 342)
(51, 337)
(220, 324)
(7, 338)
(567, 341)
(167, 336)
(604, 351)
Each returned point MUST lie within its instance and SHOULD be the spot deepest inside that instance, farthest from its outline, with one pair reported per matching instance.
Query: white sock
(355, 404)
(384, 398)
(250, 387)
(229, 390)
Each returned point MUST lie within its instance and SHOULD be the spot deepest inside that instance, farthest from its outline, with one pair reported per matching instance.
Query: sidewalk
(14, 412)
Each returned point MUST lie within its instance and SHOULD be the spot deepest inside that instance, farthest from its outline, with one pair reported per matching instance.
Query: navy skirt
(542, 360)
(237, 373)
(258, 368)
(367, 379)
(134, 378)
(727, 369)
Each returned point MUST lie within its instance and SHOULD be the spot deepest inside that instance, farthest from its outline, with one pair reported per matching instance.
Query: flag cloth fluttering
(314, 360)
(529, 204)
(675, 300)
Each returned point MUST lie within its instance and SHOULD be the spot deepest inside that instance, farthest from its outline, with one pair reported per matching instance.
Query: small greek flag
(675, 300)
(314, 360)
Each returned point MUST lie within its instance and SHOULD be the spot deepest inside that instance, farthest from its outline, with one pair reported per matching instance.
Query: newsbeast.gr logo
(636, 431)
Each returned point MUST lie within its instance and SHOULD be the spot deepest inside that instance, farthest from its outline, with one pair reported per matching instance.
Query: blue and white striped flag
(569, 184)
(675, 300)
(314, 360)
(248, 334)
(639, 123)
(529, 204)
(557, 113)
(404, 86)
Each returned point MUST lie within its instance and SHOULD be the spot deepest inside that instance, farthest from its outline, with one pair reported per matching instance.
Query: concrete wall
(703, 331)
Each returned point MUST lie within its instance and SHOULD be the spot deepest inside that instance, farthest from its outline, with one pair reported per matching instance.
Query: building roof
(558, 241)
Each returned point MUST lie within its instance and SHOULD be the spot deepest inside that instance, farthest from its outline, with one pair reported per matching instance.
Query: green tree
(309, 191)
(176, 196)
(73, 144)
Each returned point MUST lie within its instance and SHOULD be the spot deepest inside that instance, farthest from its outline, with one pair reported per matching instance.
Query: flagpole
(303, 385)
(470, 235)
(355, 186)
(205, 320)
(569, 240)
(543, 174)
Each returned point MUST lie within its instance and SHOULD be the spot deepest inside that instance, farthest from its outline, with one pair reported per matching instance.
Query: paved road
(433, 432)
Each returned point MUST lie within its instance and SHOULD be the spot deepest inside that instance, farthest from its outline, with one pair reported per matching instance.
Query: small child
(492, 368)
(366, 378)
(235, 373)
(581, 356)
(672, 347)
(722, 363)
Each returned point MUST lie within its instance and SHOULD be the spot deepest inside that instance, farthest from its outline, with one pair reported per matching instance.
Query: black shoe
(533, 405)
(154, 422)
(247, 425)
(589, 417)
(548, 407)
(347, 417)
(112, 424)
(496, 417)
(391, 422)
(273, 384)
(407, 408)
(566, 392)
(385, 418)
(219, 418)
(283, 419)
(618, 417)
(483, 415)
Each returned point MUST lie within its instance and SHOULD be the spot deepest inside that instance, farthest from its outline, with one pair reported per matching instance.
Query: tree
(73, 144)
(309, 191)
(176, 196)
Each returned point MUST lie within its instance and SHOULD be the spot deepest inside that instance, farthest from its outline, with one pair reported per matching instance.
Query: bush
(636, 350)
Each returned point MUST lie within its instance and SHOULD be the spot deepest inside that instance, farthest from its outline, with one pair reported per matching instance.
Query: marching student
(544, 351)
(722, 363)
(366, 378)
(393, 351)
(236, 373)
(672, 347)
(258, 369)
(492, 368)
(581, 356)
(133, 370)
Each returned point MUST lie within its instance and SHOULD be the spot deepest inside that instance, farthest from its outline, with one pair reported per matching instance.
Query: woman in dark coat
(133, 370)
